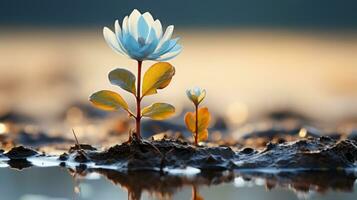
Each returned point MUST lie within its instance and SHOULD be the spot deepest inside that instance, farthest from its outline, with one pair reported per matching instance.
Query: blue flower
(141, 38)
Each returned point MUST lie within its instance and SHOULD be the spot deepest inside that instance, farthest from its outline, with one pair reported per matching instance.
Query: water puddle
(56, 183)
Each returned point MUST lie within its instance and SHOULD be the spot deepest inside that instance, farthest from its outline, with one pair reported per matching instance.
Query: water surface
(56, 183)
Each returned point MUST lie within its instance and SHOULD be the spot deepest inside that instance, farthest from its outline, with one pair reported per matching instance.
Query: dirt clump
(20, 152)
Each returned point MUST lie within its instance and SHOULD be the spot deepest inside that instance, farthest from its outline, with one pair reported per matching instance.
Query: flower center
(141, 41)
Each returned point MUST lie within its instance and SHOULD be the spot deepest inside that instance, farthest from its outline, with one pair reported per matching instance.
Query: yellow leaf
(203, 120)
(108, 100)
(203, 135)
(124, 79)
(165, 84)
(158, 111)
(190, 121)
(158, 76)
(203, 123)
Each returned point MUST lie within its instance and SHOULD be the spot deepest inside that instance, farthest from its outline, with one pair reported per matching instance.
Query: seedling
(197, 122)
(140, 38)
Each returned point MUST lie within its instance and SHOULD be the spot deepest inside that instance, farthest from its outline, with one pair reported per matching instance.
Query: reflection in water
(195, 194)
(19, 164)
(76, 187)
(165, 186)
(89, 185)
(161, 186)
(305, 181)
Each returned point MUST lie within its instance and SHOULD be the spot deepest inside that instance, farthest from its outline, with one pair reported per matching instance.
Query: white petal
(111, 40)
(148, 18)
(125, 25)
(117, 28)
(167, 36)
(158, 28)
(133, 23)
(119, 35)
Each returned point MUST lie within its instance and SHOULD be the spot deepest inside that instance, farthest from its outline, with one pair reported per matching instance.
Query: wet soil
(142, 154)
(319, 164)
(312, 153)
(20, 152)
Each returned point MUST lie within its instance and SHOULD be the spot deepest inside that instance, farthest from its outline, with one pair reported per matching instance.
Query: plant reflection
(195, 194)
(165, 186)
(160, 186)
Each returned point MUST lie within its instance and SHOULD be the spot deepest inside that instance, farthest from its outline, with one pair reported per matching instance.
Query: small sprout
(144, 40)
(197, 122)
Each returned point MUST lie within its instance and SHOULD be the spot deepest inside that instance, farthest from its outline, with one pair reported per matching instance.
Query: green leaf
(158, 111)
(158, 76)
(124, 79)
(108, 100)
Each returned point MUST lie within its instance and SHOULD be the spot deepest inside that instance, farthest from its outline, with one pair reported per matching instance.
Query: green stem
(138, 101)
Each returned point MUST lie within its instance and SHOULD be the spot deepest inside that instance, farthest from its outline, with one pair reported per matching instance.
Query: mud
(20, 152)
(312, 153)
(165, 166)
(143, 155)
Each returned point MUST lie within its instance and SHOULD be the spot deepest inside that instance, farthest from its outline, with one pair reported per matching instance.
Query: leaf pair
(204, 118)
(111, 101)
(158, 76)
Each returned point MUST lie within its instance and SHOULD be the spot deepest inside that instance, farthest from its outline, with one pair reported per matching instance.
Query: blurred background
(254, 58)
